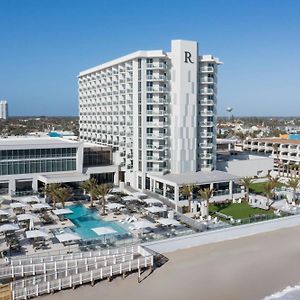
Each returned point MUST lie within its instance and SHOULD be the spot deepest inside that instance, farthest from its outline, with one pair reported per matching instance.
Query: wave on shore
(289, 293)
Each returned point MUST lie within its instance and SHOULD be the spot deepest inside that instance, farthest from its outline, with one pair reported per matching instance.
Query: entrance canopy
(63, 177)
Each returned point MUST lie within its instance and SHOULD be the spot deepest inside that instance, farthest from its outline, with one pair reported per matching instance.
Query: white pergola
(112, 206)
(168, 222)
(130, 198)
(9, 227)
(29, 200)
(25, 217)
(104, 230)
(40, 206)
(139, 195)
(67, 237)
(31, 234)
(151, 201)
(18, 205)
(4, 212)
(155, 209)
(143, 224)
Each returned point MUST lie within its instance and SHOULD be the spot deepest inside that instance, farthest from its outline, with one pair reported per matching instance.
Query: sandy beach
(247, 268)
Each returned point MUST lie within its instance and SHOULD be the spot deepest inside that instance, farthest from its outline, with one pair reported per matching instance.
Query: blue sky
(45, 43)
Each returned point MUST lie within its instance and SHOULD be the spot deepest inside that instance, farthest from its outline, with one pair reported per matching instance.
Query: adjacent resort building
(284, 151)
(157, 110)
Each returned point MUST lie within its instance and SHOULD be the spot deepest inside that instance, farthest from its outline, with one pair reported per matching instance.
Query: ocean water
(289, 293)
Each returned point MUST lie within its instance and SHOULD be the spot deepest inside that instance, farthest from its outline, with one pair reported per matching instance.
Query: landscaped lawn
(238, 210)
(258, 187)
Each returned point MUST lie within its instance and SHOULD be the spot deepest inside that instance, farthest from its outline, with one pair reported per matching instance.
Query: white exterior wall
(3, 109)
(167, 132)
(183, 117)
(247, 167)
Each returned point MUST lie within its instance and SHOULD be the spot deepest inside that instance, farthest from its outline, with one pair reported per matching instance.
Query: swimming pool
(85, 219)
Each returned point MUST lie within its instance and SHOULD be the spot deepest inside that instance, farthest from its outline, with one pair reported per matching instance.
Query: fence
(65, 265)
(78, 279)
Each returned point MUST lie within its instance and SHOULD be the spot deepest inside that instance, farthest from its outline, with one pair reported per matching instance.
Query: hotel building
(285, 152)
(3, 109)
(157, 110)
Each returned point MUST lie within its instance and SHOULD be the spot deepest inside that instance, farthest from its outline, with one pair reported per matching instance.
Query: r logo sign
(187, 57)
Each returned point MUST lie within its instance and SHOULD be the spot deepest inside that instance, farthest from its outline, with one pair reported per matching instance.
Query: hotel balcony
(207, 113)
(207, 102)
(156, 136)
(157, 66)
(207, 124)
(207, 80)
(206, 145)
(157, 100)
(156, 148)
(156, 78)
(156, 112)
(206, 135)
(156, 124)
(156, 158)
(207, 91)
(207, 69)
(206, 156)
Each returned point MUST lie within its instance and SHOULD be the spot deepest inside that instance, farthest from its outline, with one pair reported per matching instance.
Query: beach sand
(246, 268)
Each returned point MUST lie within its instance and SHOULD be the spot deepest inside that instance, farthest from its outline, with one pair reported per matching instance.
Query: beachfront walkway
(246, 268)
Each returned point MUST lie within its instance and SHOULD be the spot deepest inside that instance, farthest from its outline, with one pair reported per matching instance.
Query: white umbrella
(35, 234)
(143, 224)
(9, 227)
(139, 195)
(114, 206)
(130, 198)
(150, 201)
(17, 205)
(155, 209)
(104, 230)
(62, 211)
(67, 237)
(29, 200)
(39, 206)
(4, 212)
(24, 217)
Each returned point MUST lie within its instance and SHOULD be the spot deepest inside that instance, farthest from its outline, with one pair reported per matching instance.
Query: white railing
(65, 265)
(48, 257)
(47, 287)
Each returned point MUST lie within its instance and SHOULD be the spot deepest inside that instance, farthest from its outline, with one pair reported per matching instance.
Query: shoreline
(247, 268)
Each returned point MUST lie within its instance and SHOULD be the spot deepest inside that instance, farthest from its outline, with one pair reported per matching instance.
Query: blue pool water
(85, 219)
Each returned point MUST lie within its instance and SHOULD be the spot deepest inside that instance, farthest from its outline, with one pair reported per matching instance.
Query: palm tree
(275, 182)
(268, 191)
(102, 190)
(187, 191)
(206, 194)
(64, 194)
(293, 183)
(50, 190)
(90, 187)
(246, 182)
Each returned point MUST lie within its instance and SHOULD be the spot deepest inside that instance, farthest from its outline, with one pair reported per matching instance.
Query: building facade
(27, 164)
(285, 152)
(3, 109)
(156, 109)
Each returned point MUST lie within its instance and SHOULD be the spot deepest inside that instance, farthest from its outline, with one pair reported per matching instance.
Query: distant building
(3, 109)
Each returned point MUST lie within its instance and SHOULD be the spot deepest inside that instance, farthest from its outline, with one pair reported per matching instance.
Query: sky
(44, 44)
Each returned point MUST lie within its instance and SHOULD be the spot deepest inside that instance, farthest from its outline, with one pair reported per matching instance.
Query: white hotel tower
(156, 109)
